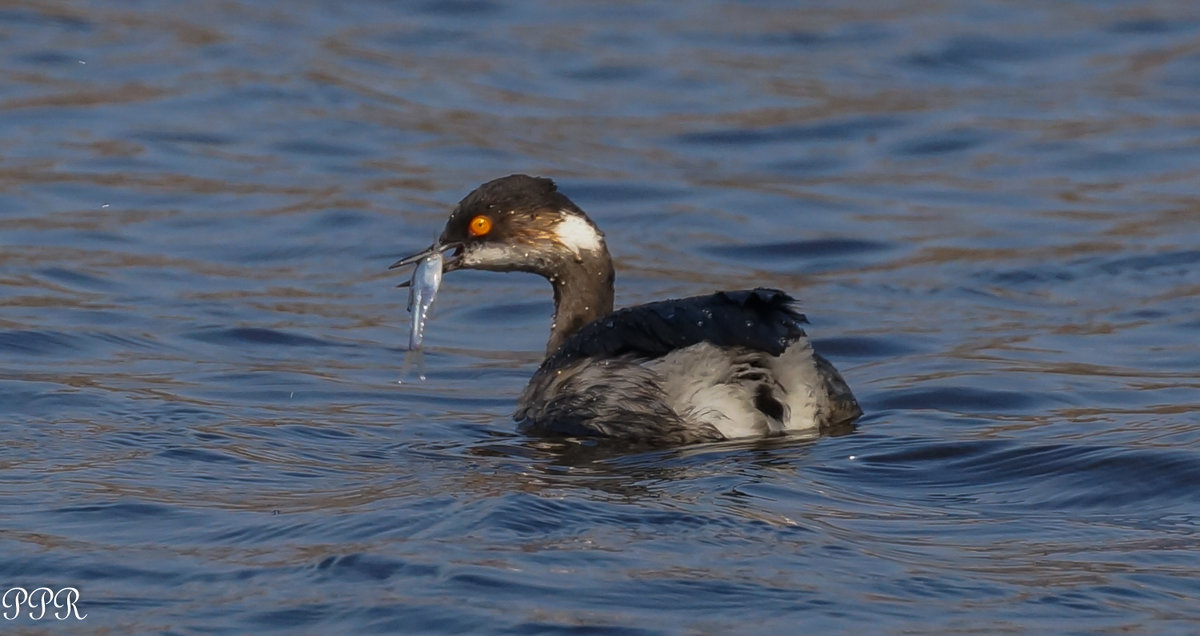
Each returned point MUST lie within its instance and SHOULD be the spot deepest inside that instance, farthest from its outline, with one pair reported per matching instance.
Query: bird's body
(733, 364)
(727, 365)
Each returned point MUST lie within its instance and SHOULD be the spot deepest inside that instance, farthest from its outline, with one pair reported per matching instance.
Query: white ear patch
(578, 235)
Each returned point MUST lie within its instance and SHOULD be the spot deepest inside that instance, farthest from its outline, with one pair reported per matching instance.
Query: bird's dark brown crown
(521, 210)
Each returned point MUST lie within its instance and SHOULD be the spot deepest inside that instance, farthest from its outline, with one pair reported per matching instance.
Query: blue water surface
(989, 211)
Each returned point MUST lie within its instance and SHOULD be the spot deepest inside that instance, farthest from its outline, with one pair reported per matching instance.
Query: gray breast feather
(615, 397)
(732, 389)
(697, 393)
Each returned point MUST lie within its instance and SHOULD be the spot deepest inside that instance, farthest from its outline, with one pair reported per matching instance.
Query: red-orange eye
(479, 226)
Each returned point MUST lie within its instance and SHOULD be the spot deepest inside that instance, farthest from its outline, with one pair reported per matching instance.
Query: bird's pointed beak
(419, 256)
(450, 263)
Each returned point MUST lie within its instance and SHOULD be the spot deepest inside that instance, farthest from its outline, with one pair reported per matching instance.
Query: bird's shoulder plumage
(759, 319)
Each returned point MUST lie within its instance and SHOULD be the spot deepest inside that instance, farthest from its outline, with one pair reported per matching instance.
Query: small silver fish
(422, 289)
(426, 280)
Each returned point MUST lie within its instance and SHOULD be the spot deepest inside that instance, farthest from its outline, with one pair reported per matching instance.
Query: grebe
(731, 364)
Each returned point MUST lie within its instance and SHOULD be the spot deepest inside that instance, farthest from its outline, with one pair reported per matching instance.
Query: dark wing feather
(759, 319)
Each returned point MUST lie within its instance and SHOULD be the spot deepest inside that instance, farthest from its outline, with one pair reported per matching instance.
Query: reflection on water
(988, 212)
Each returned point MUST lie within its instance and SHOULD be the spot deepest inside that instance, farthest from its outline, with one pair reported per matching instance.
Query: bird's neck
(583, 292)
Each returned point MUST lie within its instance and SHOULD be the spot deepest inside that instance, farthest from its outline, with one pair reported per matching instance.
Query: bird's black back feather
(758, 319)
